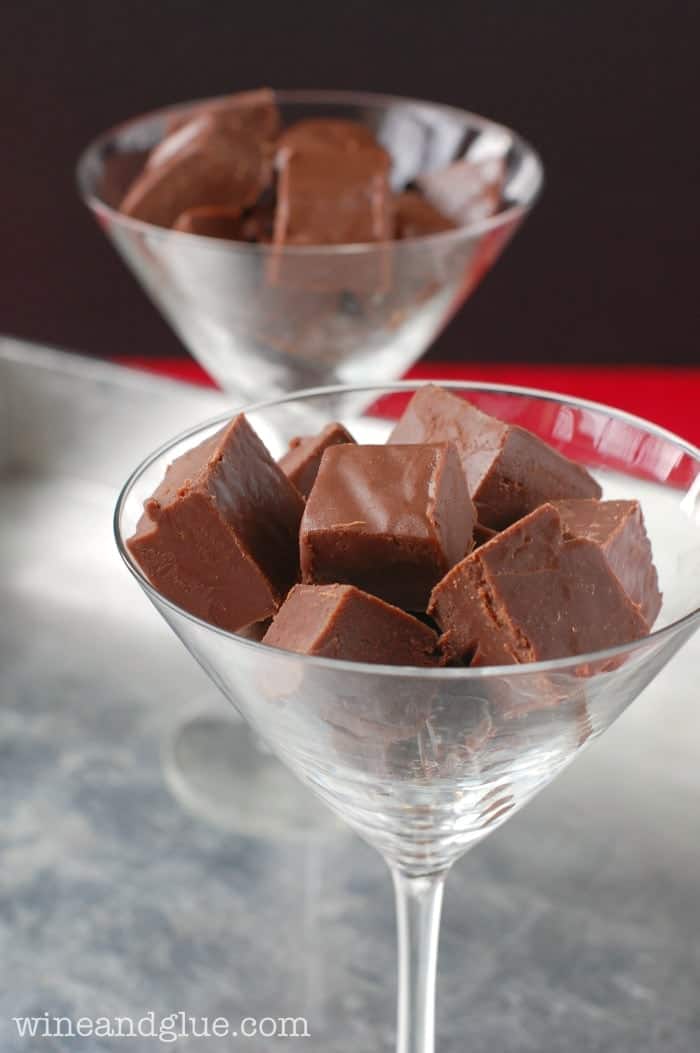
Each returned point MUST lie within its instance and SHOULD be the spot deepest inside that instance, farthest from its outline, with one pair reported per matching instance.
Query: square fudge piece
(531, 595)
(219, 536)
(389, 519)
(618, 527)
(329, 197)
(300, 463)
(340, 621)
(509, 470)
(204, 163)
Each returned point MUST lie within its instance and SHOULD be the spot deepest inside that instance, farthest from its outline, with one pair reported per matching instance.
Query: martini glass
(264, 321)
(424, 763)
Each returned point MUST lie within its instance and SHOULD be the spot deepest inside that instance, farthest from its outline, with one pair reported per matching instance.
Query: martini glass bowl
(264, 320)
(424, 763)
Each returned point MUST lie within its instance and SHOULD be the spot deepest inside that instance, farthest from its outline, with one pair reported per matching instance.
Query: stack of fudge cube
(462, 541)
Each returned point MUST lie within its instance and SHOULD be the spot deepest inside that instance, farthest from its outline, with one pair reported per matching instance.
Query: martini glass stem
(418, 908)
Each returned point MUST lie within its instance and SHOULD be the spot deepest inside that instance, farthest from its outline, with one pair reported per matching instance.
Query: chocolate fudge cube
(340, 621)
(301, 462)
(618, 528)
(531, 595)
(204, 163)
(509, 470)
(389, 519)
(415, 217)
(328, 197)
(219, 535)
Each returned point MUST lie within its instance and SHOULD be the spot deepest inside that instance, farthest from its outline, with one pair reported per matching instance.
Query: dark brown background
(605, 269)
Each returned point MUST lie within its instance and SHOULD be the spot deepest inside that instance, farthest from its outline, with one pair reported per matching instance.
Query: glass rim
(512, 214)
(469, 673)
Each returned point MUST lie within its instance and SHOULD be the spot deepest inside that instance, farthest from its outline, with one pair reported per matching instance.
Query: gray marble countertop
(575, 927)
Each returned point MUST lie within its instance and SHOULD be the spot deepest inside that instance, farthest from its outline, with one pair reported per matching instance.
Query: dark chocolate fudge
(509, 470)
(618, 527)
(204, 163)
(327, 197)
(301, 462)
(389, 519)
(530, 594)
(219, 536)
(340, 621)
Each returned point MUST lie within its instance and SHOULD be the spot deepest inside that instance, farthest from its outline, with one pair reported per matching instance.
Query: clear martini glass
(423, 764)
(264, 321)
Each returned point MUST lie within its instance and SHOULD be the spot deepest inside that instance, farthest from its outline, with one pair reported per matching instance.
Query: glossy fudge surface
(389, 519)
(341, 621)
(301, 462)
(219, 535)
(510, 471)
(530, 594)
(618, 527)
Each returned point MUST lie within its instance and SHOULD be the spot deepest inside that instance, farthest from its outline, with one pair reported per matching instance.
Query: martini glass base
(220, 771)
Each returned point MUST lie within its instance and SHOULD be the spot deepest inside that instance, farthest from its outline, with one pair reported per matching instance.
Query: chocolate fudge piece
(618, 527)
(415, 217)
(466, 191)
(219, 535)
(301, 462)
(531, 595)
(205, 163)
(255, 110)
(340, 621)
(328, 197)
(509, 470)
(389, 519)
(326, 133)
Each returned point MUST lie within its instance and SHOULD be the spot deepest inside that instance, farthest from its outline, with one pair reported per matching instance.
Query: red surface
(670, 397)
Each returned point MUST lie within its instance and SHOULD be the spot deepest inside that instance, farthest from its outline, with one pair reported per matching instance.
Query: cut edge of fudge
(618, 525)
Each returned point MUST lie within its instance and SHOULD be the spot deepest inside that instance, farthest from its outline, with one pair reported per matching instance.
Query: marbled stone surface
(575, 927)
